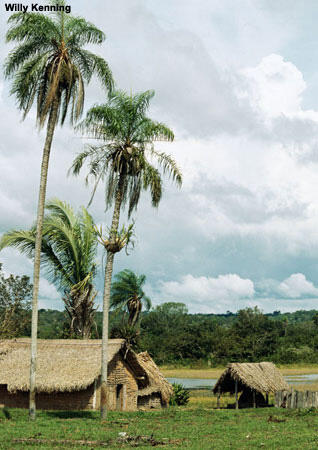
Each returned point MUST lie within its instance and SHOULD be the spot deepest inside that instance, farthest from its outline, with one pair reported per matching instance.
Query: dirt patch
(123, 439)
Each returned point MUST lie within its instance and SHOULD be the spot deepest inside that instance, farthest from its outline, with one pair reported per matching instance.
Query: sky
(238, 84)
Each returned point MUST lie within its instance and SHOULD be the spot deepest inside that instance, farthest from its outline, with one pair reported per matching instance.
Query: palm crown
(50, 64)
(127, 135)
(68, 244)
(127, 294)
(68, 256)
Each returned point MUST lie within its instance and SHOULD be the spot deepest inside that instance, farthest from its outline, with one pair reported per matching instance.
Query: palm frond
(152, 181)
(169, 166)
(127, 289)
(128, 136)
(62, 210)
(69, 245)
(79, 32)
(30, 26)
(50, 64)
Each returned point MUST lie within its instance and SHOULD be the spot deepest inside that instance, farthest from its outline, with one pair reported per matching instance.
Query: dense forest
(172, 335)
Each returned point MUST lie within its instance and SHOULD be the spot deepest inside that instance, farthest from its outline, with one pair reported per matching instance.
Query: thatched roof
(157, 382)
(262, 377)
(62, 365)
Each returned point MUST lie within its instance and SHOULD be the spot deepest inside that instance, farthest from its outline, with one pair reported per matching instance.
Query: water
(197, 383)
(302, 379)
(194, 383)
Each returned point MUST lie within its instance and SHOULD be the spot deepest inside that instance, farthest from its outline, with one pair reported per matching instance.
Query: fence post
(301, 399)
(292, 400)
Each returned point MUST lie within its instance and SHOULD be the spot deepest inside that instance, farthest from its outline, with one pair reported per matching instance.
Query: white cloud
(47, 291)
(207, 289)
(275, 86)
(297, 286)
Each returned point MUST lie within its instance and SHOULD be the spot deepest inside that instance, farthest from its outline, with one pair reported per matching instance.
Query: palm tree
(128, 135)
(127, 295)
(68, 254)
(51, 65)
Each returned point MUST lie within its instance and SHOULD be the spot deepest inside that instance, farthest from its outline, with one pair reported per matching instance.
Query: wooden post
(94, 395)
(278, 399)
(302, 400)
(218, 397)
(293, 399)
(236, 396)
(254, 399)
(307, 404)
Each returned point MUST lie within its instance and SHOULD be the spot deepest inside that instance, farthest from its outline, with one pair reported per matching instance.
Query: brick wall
(119, 373)
(150, 401)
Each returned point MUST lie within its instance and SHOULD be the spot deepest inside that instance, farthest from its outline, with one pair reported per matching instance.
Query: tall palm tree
(51, 65)
(127, 295)
(68, 255)
(128, 136)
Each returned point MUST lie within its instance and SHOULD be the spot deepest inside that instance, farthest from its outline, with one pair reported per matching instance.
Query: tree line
(170, 334)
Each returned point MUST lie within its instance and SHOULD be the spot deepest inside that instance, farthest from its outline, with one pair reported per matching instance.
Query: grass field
(216, 372)
(196, 426)
(199, 425)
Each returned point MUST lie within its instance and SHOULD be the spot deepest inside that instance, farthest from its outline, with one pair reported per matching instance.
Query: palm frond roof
(262, 377)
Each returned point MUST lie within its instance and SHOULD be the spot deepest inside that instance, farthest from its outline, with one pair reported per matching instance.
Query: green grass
(197, 426)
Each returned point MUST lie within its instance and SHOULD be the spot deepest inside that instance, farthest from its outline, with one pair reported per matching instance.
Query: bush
(180, 395)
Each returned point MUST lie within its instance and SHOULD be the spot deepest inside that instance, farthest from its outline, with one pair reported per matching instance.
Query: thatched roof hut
(62, 365)
(157, 382)
(70, 370)
(263, 377)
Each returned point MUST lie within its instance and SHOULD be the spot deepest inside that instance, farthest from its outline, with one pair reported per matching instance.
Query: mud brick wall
(119, 373)
(54, 400)
(150, 401)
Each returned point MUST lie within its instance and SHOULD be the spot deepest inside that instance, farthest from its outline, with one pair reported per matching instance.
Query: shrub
(180, 395)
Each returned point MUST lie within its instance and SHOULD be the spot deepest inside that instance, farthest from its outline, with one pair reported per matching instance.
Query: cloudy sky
(238, 83)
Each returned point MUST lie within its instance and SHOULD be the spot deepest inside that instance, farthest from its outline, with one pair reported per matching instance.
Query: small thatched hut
(252, 380)
(68, 375)
(159, 391)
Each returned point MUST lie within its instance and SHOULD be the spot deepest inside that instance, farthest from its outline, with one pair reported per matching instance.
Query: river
(197, 383)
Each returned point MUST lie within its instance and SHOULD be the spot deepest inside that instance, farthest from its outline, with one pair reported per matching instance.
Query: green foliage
(51, 324)
(126, 331)
(68, 257)
(49, 63)
(15, 305)
(180, 395)
(172, 336)
(117, 240)
(127, 295)
(127, 135)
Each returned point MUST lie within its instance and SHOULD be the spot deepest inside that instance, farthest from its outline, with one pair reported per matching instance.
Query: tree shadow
(72, 414)
(6, 412)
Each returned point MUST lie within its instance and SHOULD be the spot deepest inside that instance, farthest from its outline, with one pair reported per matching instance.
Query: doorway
(119, 397)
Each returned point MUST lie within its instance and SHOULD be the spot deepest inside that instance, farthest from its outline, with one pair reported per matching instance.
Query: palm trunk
(106, 301)
(37, 253)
